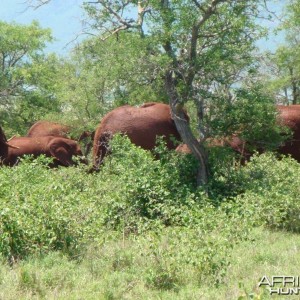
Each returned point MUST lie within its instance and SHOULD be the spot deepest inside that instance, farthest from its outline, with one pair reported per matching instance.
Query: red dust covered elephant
(288, 116)
(61, 149)
(141, 124)
(47, 128)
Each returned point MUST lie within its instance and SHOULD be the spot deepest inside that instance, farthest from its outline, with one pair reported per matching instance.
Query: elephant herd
(141, 124)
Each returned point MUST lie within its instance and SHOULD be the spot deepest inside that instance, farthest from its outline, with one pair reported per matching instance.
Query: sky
(64, 18)
(276, 7)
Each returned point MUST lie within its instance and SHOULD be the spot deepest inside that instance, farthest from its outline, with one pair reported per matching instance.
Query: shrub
(149, 189)
(224, 183)
(42, 209)
(65, 210)
(272, 188)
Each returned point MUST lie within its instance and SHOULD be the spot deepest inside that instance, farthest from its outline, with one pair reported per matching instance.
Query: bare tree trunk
(185, 131)
(286, 96)
(294, 86)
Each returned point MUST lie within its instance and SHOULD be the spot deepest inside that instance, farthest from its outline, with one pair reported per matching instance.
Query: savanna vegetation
(198, 226)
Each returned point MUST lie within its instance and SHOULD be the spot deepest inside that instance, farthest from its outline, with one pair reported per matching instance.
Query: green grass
(119, 270)
(269, 253)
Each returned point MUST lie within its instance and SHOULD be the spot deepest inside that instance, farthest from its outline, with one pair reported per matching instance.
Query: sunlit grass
(118, 270)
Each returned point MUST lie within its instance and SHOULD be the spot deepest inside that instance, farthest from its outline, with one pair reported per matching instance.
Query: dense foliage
(139, 199)
(27, 88)
(281, 66)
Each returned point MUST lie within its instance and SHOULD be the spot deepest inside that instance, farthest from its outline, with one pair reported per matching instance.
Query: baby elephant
(61, 149)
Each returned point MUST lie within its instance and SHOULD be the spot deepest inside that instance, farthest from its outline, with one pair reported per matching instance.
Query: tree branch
(195, 35)
(114, 13)
(35, 4)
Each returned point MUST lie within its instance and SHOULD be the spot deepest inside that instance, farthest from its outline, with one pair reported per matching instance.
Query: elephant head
(64, 149)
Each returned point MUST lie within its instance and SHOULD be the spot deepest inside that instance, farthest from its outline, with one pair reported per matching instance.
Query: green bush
(272, 188)
(266, 188)
(65, 209)
(224, 183)
(149, 202)
(146, 188)
(43, 209)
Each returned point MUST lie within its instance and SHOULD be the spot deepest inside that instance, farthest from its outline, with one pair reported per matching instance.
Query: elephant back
(141, 124)
(47, 128)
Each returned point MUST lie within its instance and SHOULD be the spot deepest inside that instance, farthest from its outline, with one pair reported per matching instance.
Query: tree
(289, 56)
(98, 77)
(194, 51)
(19, 45)
(202, 47)
(284, 64)
(24, 73)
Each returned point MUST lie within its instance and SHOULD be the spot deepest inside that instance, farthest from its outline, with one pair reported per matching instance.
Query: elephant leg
(88, 148)
(103, 146)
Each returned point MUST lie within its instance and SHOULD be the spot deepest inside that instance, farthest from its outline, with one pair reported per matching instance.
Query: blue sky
(64, 18)
(272, 42)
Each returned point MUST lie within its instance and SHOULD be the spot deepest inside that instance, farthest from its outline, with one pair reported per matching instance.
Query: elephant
(288, 116)
(46, 128)
(61, 149)
(233, 142)
(4, 146)
(141, 124)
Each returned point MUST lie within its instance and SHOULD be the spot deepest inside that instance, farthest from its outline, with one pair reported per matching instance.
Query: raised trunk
(185, 131)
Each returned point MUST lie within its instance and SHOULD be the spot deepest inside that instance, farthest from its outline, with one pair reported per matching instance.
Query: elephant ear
(61, 151)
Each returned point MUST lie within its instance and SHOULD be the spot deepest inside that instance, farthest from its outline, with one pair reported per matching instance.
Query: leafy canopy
(25, 74)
